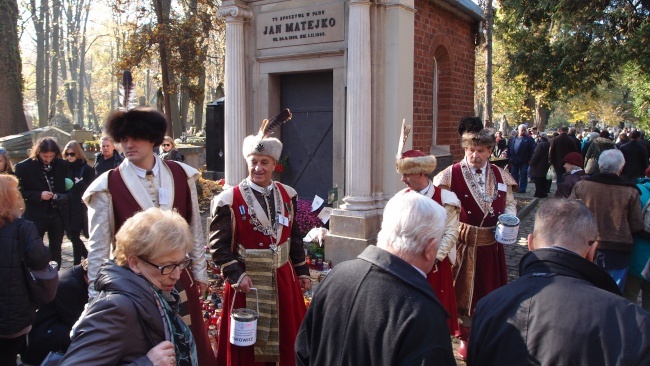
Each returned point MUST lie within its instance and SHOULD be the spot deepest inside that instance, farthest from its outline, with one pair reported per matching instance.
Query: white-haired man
(563, 309)
(615, 203)
(258, 245)
(378, 309)
(415, 168)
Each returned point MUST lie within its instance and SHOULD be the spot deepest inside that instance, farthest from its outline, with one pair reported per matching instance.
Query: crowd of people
(609, 176)
(436, 272)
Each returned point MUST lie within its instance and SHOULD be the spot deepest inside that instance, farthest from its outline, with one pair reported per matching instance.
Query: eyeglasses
(166, 145)
(165, 270)
(2, 150)
(70, 154)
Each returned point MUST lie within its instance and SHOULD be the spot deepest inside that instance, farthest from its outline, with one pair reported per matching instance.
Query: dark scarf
(612, 179)
(77, 164)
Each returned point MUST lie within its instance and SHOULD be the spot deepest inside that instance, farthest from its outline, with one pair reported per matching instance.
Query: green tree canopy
(564, 47)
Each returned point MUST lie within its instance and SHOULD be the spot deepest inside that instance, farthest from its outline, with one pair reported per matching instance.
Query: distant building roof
(468, 7)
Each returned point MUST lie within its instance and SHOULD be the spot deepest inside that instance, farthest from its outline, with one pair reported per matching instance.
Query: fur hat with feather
(412, 161)
(140, 123)
(132, 121)
(262, 143)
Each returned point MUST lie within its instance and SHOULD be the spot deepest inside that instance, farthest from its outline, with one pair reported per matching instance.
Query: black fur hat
(140, 123)
(469, 124)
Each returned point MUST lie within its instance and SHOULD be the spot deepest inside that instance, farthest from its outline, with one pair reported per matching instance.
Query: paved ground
(513, 252)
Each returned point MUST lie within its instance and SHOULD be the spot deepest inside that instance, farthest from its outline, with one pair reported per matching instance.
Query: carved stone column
(358, 139)
(355, 225)
(235, 87)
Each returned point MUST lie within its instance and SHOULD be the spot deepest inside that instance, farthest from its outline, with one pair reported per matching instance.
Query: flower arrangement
(305, 219)
(279, 167)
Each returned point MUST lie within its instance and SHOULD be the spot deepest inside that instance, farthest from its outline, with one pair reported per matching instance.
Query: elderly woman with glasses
(134, 319)
(80, 174)
(168, 150)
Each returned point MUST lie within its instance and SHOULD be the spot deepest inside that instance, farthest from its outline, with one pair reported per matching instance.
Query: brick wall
(449, 38)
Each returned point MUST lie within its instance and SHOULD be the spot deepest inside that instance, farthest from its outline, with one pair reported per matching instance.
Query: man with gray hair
(108, 158)
(563, 309)
(615, 204)
(379, 309)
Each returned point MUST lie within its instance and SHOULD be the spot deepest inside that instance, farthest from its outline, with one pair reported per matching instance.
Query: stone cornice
(404, 4)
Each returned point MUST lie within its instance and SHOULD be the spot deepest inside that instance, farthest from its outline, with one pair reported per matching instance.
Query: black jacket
(561, 145)
(103, 165)
(539, 162)
(33, 183)
(576, 141)
(83, 174)
(16, 309)
(636, 160)
(374, 310)
(563, 310)
(596, 148)
(51, 328)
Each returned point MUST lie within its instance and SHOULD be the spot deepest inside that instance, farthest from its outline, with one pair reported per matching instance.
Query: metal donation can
(507, 229)
(243, 323)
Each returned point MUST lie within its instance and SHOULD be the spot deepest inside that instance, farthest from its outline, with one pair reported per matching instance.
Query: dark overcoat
(563, 310)
(539, 162)
(374, 310)
(33, 183)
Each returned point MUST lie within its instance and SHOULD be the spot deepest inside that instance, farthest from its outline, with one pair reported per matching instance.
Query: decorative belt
(261, 266)
(476, 236)
(276, 258)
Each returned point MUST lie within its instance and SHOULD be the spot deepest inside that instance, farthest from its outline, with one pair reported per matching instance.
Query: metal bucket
(243, 323)
(507, 229)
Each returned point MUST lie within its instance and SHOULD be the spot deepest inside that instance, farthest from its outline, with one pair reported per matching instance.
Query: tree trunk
(184, 104)
(174, 127)
(12, 116)
(62, 55)
(41, 97)
(46, 56)
(72, 41)
(82, 69)
(488, 64)
(55, 58)
(91, 104)
(542, 114)
(198, 106)
(531, 104)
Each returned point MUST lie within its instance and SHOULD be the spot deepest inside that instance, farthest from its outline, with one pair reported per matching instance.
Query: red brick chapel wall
(449, 38)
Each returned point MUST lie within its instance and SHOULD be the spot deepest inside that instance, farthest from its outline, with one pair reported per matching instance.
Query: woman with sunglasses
(5, 163)
(80, 174)
(134, 319)
(168, 150)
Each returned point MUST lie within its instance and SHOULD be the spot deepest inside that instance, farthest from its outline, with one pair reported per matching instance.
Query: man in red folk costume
(485, 192)
(415, 168)
(257, 245)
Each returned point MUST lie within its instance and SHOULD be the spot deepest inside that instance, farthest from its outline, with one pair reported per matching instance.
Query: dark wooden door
(307, 139)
